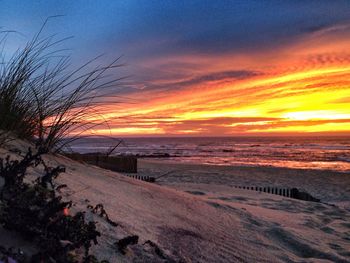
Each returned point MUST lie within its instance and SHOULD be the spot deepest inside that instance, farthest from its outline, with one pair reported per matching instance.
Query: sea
(323, 153)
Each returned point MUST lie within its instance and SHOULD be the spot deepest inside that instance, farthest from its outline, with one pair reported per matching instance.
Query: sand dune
(194, 216)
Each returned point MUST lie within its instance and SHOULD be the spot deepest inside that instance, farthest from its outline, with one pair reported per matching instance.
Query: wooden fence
(287, 192)
(124, 164)
(149, 179)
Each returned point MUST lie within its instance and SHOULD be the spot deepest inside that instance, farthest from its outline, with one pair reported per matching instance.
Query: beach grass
(48, 103)
(43, 99)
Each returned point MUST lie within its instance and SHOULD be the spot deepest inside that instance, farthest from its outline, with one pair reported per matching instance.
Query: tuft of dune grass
(42, 99)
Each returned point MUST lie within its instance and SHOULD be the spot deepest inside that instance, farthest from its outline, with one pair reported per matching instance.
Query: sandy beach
(328, 186)
(302, 230)
(194, 214)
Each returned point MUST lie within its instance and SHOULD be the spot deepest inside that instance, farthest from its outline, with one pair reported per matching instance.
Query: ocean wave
(313, 153)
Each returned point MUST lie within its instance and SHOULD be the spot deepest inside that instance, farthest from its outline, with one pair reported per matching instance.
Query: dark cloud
(156, 81)
(207, 124)
(219, 76)
(316, 27)
(327, 59)
(153, 84)
(229, 120)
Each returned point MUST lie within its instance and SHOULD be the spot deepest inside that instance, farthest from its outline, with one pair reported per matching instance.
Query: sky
(208, 68)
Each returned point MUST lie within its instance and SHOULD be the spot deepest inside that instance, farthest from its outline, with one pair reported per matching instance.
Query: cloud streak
(211, 67)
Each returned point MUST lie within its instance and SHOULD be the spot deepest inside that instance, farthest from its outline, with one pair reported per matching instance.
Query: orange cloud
(303, 87)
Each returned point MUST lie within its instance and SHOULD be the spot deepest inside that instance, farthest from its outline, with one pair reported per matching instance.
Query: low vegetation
(37, 212)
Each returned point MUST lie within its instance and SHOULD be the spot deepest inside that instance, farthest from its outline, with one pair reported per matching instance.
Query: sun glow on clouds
(316, 115)
(304, 87)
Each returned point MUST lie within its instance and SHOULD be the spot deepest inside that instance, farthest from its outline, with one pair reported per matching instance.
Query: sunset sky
(209, 68)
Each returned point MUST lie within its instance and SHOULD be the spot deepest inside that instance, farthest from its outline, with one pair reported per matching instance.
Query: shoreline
(165, 160)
